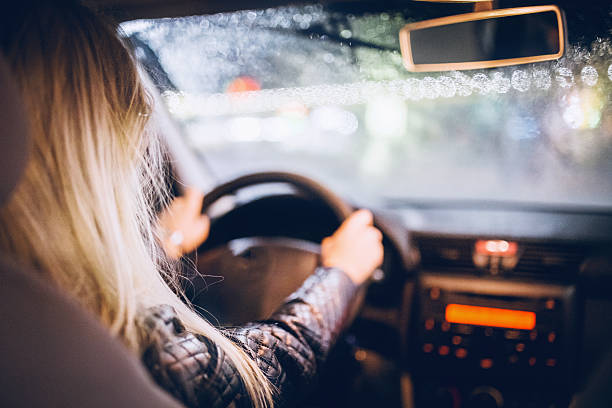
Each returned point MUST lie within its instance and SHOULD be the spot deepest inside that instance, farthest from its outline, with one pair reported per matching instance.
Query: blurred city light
(583, 109)
(386, 117)
(334, 119)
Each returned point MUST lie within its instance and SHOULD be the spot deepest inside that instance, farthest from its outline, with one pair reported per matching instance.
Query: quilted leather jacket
(289, 347)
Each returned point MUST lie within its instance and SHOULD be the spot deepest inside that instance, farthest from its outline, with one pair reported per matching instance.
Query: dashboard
(475, 305)
(501, 306)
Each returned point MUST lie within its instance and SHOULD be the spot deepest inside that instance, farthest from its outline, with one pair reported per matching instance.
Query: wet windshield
(322, 91)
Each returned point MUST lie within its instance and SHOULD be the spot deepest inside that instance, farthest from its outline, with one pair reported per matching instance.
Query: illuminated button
(443, 350)
(496, 248)
(520, 347)
(434, 293)
(486, 363)
(361, 355)
(551, 362)
(533, 335)
(532, 361)
(481, 261)
(428, 347)
(512, 334)
(456, 340)
(551, 337)
(550, 304)
(513, 359)
(429, 324)
(509, 262)
(461, 353)
(445, 326)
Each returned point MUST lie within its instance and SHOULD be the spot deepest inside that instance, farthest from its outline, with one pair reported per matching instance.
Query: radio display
(490, 316)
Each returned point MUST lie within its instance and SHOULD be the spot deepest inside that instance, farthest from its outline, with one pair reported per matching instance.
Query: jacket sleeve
(289, 347)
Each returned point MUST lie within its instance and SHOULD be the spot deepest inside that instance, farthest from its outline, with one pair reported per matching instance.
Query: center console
(480, 341)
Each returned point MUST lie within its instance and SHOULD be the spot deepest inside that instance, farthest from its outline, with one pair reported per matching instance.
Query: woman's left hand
(182, 225)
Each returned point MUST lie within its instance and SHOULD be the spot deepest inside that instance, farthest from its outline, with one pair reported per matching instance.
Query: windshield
(321, 90)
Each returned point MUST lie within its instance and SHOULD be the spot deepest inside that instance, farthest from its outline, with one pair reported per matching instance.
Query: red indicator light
(243, 84)
(496, 247)
(489, 316)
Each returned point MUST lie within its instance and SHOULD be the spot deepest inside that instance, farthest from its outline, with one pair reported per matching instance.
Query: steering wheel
(304, 184)
(259, 271)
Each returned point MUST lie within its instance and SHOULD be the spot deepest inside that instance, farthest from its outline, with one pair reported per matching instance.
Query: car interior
(478, 133)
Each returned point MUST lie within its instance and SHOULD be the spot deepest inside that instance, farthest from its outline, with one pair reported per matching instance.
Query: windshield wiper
(317, 31)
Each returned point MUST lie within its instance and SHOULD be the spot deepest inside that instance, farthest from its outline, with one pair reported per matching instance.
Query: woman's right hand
(356, 247)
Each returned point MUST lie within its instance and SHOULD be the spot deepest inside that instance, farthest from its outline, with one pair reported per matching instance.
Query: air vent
(535, 258)
(446, 253)
(555, 259)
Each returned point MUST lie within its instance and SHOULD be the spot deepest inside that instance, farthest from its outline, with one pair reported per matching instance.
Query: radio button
(429, 324)
(486, 363)
(428, 347)
(444, 350)
(461, 353)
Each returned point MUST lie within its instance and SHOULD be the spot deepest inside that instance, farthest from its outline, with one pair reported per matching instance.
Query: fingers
(375, 234)
(193, 200)
(356, 220)
(203, 225)
(362, 217)
(356, 247)
(326, 241)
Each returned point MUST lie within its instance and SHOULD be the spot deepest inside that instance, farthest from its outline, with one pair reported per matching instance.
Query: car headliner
(124, 10)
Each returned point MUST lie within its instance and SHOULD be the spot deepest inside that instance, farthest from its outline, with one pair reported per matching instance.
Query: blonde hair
(83, 213)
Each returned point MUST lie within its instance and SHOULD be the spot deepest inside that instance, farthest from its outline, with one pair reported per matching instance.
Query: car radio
(506, 341)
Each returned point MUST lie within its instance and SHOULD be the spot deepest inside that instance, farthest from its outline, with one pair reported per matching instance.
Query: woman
(82, 214)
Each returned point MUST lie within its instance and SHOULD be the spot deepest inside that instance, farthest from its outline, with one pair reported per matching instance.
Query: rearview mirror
(484, 39)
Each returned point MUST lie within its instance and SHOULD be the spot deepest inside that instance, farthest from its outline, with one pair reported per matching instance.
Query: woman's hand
(183, 228)
(356, 247)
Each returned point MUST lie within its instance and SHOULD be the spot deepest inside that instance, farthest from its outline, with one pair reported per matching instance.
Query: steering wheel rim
(305, 184)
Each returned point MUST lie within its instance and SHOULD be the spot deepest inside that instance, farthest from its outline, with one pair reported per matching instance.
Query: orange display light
(490, 316)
